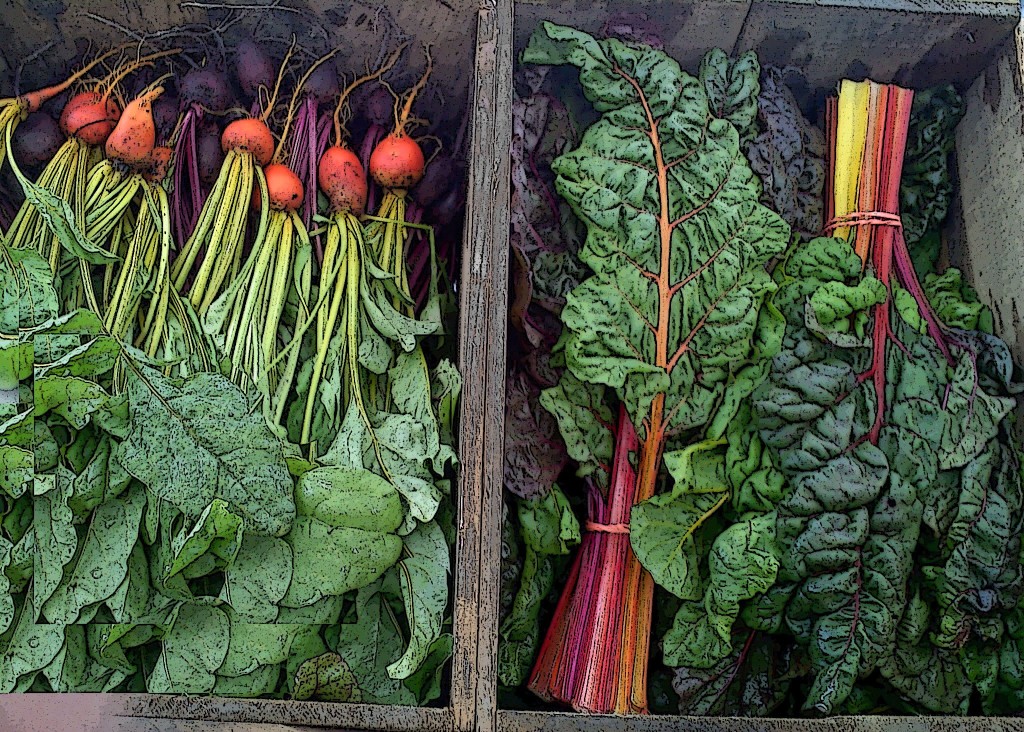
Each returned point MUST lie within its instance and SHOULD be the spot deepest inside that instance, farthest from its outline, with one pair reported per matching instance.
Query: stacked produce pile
(782, 440)
(227, 439)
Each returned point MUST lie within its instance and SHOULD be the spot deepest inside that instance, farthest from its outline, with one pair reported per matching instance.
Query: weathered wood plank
(689, 29)
(555, 722)
(909, 42)
(484, 291)
(143, 724)
(986, 239)
(273, 711)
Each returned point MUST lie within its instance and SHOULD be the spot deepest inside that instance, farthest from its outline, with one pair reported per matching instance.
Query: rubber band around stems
(606, 528)
(864, 218)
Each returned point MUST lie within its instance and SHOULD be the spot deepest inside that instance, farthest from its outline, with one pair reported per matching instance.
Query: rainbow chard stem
(186, 195)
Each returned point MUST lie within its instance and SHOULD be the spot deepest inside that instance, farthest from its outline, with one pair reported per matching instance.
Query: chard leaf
(753, 680)
(702, 213)
(520, 630)
(191, 652)
(534, 453)
(742, 564)
(732, 87)
(17, 467)
(585, 422)
(424, 576)
(548, 523)
(663, 528)
(201, 441)
(789, 157)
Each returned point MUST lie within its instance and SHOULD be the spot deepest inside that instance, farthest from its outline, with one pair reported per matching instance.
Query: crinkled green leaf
(201, 441)
(520, 631)
(585, 422)
(548, 524)
(6, 599)
(719, 236)
(733, 86)
(743, 563)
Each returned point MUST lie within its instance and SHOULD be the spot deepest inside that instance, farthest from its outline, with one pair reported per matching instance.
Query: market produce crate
(978, 47)
(472, 62)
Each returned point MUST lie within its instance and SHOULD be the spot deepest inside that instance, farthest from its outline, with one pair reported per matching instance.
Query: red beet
(206, 87)
(36, 140)
(254, 68)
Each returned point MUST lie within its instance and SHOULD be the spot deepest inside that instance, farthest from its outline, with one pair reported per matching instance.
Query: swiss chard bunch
(900, 557)
(668, 322)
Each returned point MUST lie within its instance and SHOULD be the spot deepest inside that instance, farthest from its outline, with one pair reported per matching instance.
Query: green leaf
(424, 576)
(6, 599)
(258, 578)
(210, 545)
(732, 86)
(254, 646)
(548, 523)
(742, 564)
(102, 563)
(55, 537)
(520, 631)
(662, 528)
(345, 559)
(200, 441)
(715, 237)
(27, 295)
(191, 652)
(59, 217)
(425, 683)
(17, 466)
(349, 497)
(327, 678)
(32, 647)
(370, 644)
(585, 422)
(72, 398)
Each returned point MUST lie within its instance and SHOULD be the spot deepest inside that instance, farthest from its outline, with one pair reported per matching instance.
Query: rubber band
(607, 528)
(862, 218)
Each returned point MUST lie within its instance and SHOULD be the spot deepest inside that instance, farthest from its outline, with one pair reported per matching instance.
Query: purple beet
(36, 140)
(165, 115)
(209, 153)
(253, 68)
(379, 107)
(323, 83)
(439, 176)
(206, 87)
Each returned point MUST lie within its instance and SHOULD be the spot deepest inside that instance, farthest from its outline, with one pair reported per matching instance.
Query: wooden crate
(978, 46)
(472, 68)
(972, 43)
